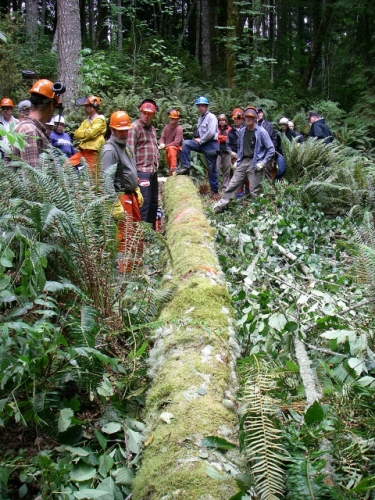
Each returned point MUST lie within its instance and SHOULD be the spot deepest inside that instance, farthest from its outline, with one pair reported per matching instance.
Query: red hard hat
(148, 106)
(120, 120)
(6, 102)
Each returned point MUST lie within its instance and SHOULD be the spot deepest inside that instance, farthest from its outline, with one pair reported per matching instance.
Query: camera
(28, 74)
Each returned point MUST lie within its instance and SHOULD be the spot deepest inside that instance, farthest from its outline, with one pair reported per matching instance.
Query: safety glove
(139, 196)
(117, 210)
(260, 166)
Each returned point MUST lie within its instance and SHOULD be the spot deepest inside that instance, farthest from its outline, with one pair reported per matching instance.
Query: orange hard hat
(120, 120)
(44, 88)
(174, 113)
(237, 113)
(148, 106)
(93, 100)
(6, 102)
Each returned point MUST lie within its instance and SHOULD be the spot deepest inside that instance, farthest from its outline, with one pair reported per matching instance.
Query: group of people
(250, 143)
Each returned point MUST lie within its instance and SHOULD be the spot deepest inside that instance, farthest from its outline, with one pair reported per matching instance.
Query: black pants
(148, 183)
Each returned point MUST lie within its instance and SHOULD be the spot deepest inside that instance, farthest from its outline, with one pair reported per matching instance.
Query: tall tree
(31, 20)
(69, 46)
(119, 23)
(206, 36)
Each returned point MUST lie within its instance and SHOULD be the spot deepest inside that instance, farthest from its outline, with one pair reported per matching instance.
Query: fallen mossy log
(192, 364)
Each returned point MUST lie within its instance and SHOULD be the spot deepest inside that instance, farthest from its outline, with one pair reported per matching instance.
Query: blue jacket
(264, 148)
(63, 142)
(207, 127)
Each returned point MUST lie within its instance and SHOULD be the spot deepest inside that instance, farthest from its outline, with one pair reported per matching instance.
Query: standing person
(126, 193)
(205, 142)
(270, 170)
(7, 119)
(23, 109)
(143, 143)
(319, 128)
(255, 149)
(224, 158)
(50, 127)
(285, 134)
(232, 142)
(232, 138)
(291, 126)
(7, 122)
(171, 139)
(90, 133)
(43, 102)
(60, 139)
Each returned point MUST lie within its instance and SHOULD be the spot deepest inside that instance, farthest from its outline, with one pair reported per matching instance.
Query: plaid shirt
(142, 141)
(35, 137)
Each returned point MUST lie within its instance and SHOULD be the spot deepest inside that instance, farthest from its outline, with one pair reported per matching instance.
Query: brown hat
(251, 111)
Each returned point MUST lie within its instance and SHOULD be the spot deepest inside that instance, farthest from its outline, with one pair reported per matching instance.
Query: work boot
(183, 171)
(214, 196)
(218, 209)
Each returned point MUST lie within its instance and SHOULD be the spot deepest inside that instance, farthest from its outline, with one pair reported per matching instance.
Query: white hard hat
(59, 119)
(283, 121)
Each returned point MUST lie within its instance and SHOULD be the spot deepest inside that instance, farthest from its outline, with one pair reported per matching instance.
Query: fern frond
(262, 438)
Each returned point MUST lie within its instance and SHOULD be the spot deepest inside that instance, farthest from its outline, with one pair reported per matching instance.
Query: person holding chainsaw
(44, 99)
(126, 194)
(143, 143)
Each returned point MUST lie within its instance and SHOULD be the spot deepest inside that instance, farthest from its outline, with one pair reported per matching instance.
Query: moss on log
(192, 364)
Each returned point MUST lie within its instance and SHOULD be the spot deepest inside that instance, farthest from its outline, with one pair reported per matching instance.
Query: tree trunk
(317, 46)
(32, 21)
(192, 365)
(198, 31)
(119, 25)
(82, 11)
(186, 22)
(102, 26)
(206, 36)
(232, 15)
(69, 46)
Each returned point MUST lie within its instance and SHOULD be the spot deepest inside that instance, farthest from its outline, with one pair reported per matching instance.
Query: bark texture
(31, 20)
(192, 365)
(69, 46)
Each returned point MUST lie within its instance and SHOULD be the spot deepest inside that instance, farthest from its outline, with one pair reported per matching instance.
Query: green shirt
(249, 143)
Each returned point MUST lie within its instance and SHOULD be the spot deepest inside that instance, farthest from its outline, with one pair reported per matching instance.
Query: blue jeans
(281, 163)
(210, 151)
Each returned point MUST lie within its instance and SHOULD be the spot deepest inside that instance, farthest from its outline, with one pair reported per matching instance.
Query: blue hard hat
(202, 100)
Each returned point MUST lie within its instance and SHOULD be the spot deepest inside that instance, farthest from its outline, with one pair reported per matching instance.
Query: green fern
(263, 445)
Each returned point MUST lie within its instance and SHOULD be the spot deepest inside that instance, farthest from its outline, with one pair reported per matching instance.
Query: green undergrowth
(315, 296)
(74, 338)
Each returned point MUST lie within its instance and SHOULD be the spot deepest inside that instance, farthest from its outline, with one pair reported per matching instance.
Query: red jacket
(222, 137)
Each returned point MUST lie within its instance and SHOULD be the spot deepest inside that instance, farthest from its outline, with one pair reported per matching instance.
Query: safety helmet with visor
(42, 93)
